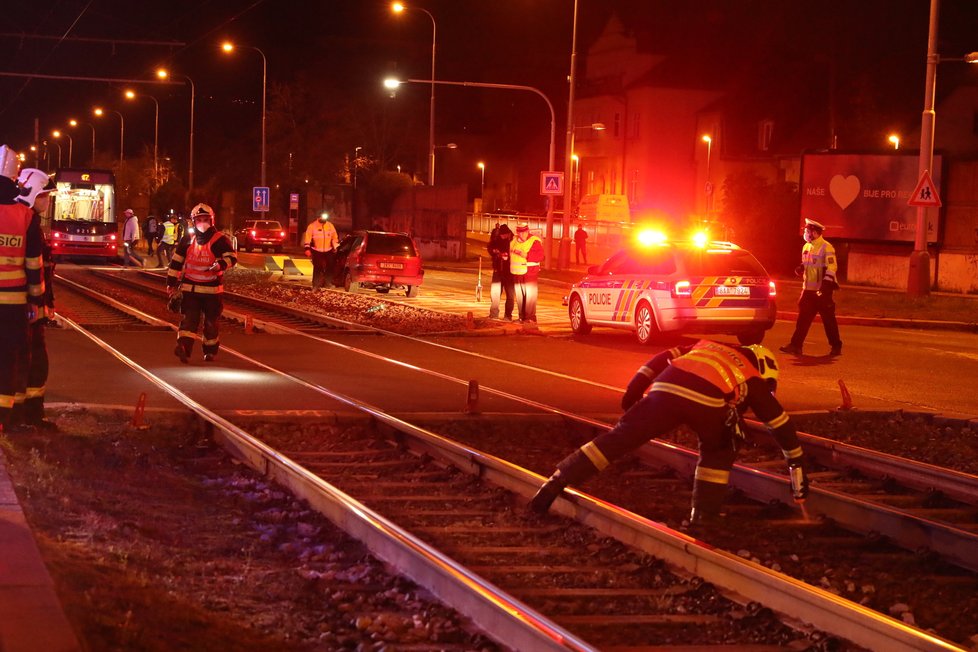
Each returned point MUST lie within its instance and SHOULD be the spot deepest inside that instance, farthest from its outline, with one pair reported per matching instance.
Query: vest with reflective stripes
(818, 259)
(518, 254)
(169, 233)
(200, 258)
(14, 220)
(721, 366)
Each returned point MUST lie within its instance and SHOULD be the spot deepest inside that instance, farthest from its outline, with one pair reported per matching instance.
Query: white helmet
(9, 163)
(35, 183)
(765, 362)
(202, 211)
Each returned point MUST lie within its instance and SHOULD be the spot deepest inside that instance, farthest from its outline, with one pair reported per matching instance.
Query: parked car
(380, 260)
(261, 235)
(676, 287)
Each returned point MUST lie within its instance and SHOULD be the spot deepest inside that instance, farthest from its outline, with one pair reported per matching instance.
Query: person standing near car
(130, 236)
(197, 271)
(817, 270)
(525, 256)
(580, 244)
(502, 278)
(320, 242)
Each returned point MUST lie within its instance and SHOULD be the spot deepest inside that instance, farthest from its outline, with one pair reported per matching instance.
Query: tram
(80, 221)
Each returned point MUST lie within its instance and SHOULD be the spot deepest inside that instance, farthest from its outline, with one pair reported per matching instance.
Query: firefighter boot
(574, 468)
(799, 480)
(181, 352)
(707, 503)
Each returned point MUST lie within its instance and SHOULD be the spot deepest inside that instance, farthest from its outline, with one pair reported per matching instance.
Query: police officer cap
(814, 224)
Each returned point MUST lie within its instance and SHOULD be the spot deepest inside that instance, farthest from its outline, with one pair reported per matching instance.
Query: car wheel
(348, 283)
(413, 290)
(578, 322)
(383, 290)
(646, 330)
(751, 337)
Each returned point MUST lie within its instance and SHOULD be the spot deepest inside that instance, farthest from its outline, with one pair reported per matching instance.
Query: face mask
(202, 226)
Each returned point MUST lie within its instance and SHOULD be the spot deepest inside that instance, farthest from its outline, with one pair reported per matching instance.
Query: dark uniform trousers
(810, 304)
(194, 306)
(322, 268)
(13, 360)
(37, 374)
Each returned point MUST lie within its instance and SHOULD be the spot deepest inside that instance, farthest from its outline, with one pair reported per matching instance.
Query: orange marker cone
(137, 416)
(846, 396)
(472, 400)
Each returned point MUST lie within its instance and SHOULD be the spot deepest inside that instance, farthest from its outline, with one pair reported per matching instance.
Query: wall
(435, 218)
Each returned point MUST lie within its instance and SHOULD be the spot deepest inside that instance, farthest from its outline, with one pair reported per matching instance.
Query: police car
(659, 287)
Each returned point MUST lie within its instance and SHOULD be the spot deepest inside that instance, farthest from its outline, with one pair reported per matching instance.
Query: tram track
(576, 504)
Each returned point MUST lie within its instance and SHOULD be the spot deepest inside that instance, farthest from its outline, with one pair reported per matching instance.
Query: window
(765, 131)
(633, 125)
(633, 187)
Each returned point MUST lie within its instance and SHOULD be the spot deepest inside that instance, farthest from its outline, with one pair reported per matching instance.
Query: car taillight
(281, 234)
(55, 234)
(772, 290)
(682, 289)
(253, 233)
(112, 236)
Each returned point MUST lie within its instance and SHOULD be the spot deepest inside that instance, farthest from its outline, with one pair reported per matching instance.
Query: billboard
(864, 196)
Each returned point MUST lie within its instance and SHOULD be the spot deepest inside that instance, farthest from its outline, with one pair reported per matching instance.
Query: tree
(764, 217)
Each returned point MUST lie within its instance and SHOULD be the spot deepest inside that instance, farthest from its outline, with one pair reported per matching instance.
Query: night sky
(348, 46)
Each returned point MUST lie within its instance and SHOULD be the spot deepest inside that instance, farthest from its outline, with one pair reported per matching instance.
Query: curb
(892, 322)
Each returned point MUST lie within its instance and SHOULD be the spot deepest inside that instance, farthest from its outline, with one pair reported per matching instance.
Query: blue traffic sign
(260, 199)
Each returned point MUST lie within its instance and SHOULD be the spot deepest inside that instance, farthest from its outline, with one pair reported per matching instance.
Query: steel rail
(504, 618)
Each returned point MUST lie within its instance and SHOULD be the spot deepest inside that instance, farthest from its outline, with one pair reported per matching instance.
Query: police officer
(38, 187)
(320, 242)
(168, 240)
(197, 271)
(706, 386)
(525, 255)
(818, 268)
(21, 286)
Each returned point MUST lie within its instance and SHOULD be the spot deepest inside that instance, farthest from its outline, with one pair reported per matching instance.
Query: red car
(380, 260)
(261, 235)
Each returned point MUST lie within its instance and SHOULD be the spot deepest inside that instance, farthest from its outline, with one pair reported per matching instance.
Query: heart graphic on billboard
(844, 190)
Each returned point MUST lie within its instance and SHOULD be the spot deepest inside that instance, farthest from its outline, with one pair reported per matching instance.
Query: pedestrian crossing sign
(551, 183)
(925, 194)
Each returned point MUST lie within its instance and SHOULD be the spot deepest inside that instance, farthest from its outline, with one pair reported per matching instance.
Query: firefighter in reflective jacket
(21, 287)
(196, 272)
(707, 386)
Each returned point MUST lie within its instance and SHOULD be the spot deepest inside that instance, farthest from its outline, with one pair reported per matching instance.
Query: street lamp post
(71, 144)
(58, 145)
(563, 259)
(164, 74)
(895, 140)
(356, 164)
(482, 186)
(394, 83)
(398, 7)
(229, 47)
(156, 133)
(75, 123)
(571, 182)
(122, 131)
(708, 187)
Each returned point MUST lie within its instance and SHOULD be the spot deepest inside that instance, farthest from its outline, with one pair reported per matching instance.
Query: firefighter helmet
(202, 211)
(762, 358)
(35, 183)
(9, 163)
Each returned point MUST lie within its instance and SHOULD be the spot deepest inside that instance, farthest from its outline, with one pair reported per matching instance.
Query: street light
(708, 188)
(131, 95)
(122, 131)
(398, 8)
(895, 140)
(571, 183)
(576, 162)
(229, 47)
(162, 73)
(394, 83)
(75, 123)
(356, 164)
(71, 144)
(482, 184)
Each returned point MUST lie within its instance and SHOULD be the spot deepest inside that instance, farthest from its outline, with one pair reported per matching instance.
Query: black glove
(800, 270)
(175, 301)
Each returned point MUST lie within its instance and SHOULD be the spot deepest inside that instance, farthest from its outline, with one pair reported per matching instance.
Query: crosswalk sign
(925, 194)
(551, 183)
(260, 199)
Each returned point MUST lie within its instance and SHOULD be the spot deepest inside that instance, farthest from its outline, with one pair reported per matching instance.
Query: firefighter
(38, 187)
(320, 242)
(817, 270)
(197, 272)
(706, 386)
(21, 286)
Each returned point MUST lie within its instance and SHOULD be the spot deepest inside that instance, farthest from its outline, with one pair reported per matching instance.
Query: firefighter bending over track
(194, 282)
(706, 386)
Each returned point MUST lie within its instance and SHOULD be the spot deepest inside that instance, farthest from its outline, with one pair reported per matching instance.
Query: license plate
(391, 265)
(732, 291)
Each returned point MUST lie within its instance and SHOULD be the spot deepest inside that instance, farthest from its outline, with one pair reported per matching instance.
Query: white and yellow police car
(657, 287)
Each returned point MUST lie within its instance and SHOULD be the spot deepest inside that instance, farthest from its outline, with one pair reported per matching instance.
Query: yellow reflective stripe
(19, 397)
(213, 341)
(178, 258)
(793, 454)
(685, 392)
(11, 260)
(13, 298)
(35, 392)
(202, 289)
(34, 262)
(14, 275)
(182, 334)
(645, 371)
(597, 458)
(721, 364)
(778, 421)
(675, 352)
(716, 476)
(6, 401)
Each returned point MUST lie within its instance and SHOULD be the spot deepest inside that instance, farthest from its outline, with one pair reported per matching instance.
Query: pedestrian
(21, 287)
(197, 271)
(817, 271)
(502, 278)
(149, 232)
(525, 256)
(706, 386)
(130, 236)
(320, 242)
(170, 235)
(38, 187)
(580, 243)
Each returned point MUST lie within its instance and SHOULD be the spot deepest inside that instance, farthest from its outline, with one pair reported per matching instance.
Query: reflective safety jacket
(169, 233)
(199, 263)
(818, 259)
(525, 254)
(320, 236)
(21, 277)
(725, 368)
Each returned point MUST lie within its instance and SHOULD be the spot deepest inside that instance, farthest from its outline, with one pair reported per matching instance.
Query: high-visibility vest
(169, 233)
(14, 220)
(818, 259)
(200, 259)
(721, 366)
(321, 236)
(518, 253)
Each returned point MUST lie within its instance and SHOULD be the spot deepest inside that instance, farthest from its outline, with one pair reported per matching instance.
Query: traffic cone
(137, 416)
(472, 400)
(846, 396)
(249, 325)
